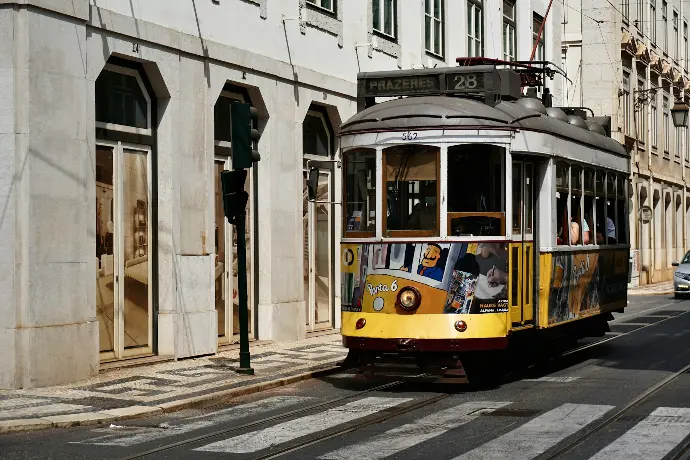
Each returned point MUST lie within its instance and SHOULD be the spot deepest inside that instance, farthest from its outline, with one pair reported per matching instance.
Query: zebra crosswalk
(651, 436)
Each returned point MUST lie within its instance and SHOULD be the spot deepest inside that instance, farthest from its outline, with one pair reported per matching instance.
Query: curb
(138, 411)
(667, 292)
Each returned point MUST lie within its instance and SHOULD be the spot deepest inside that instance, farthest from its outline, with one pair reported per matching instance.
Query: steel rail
(262, 421)
(395, 412)
(563, 448)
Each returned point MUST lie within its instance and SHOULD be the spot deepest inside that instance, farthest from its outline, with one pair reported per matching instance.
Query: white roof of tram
(448, 113)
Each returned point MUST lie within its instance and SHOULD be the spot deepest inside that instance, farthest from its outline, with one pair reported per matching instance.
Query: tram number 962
(469, 81)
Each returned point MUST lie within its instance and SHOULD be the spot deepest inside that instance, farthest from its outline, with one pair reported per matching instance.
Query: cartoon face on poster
(452, 278)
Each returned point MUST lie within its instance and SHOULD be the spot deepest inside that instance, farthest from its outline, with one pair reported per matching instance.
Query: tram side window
(475, 190)
(562, 179)
(604, 222)
(621, 197)
(412, 188)
(592, 236)
(612, 217)
(360, 191)
(579, 229)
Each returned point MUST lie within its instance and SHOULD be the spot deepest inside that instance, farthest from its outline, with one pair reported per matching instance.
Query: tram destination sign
(477, 80)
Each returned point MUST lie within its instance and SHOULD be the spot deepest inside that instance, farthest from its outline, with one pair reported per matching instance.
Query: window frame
(509, 25)
(642, 119)
(327, 128)
(625, 8)
(434, 28)
(685, 44)
(652, 21)
(627, 91)
(655, 117)
(125, 128)
(541, 44)
(664, 24)
(665, 109)
(676, 36)
(359, 233)
(394, 19)
(386, 233)
(472, 7)
(318, 4)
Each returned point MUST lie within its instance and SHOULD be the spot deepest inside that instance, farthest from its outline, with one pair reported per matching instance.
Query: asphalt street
(593, 402)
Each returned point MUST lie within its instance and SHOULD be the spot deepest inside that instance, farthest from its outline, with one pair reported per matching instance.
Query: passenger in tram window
(610, 231)
(587, 237)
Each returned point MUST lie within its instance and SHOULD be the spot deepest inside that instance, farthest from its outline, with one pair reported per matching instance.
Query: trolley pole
(245, 366)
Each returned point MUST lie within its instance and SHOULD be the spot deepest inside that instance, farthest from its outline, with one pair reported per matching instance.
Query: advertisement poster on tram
(584, 283)
(451, 278)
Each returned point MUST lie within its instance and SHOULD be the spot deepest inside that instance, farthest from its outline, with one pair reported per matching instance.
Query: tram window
(360, 191)
(621, 198)
(592, 236)
(562, 203)
(579, 231)
(476, 190)
(412, 188)
(602, 220)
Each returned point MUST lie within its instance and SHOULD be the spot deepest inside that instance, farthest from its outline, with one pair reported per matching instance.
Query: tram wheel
(483, 369)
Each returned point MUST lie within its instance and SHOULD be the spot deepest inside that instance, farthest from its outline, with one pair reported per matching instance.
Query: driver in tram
(424, 214)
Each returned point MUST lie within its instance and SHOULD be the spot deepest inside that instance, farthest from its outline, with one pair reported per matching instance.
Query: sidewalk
(130, 392)
(663, 288)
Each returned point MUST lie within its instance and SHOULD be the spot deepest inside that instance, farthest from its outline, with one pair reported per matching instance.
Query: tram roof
(444, 112)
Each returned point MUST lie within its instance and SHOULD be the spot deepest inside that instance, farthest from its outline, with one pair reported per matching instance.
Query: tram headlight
(409, 298)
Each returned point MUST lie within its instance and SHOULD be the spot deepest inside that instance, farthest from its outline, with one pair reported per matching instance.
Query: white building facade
(629, 59)
(114, 126)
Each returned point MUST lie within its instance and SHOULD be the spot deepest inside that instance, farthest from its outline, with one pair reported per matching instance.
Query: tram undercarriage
(477, 362)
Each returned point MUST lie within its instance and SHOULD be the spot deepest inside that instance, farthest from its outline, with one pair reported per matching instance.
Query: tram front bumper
(415, 333)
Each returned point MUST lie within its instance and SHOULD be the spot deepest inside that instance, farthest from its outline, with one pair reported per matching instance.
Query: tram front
(424, 253)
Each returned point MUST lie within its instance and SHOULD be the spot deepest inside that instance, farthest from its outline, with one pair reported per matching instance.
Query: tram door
(521, 256)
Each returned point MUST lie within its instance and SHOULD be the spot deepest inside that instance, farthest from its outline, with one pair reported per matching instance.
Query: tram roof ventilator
(479, 80)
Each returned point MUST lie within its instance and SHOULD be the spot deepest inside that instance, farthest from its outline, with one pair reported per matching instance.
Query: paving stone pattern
(164, 382)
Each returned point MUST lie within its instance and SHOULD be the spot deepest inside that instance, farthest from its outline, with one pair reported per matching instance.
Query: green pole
(245, 366)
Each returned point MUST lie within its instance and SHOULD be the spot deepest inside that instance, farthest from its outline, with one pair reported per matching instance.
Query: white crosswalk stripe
(652, 438)
(130, 436)
(398, 439)
(539, 434)
(294, 429)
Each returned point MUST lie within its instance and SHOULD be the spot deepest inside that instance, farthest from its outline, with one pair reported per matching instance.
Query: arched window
(221, 118)
(122, 102)
(316, 134)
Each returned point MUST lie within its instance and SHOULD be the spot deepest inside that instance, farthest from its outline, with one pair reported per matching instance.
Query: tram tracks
(278, 417)
(683, 452)
(578, 439)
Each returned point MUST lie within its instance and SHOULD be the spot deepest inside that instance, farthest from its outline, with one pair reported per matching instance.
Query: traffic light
(244, 121)
(234, 197)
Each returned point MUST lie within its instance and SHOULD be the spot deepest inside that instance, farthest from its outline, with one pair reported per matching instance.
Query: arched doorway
(226, 274)
(317, 222)
(124, 212)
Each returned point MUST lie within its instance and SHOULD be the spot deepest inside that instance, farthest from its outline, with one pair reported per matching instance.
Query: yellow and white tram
(474, 217)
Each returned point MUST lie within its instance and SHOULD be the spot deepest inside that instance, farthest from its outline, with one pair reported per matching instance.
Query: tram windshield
(412, 188)
(412, 176)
